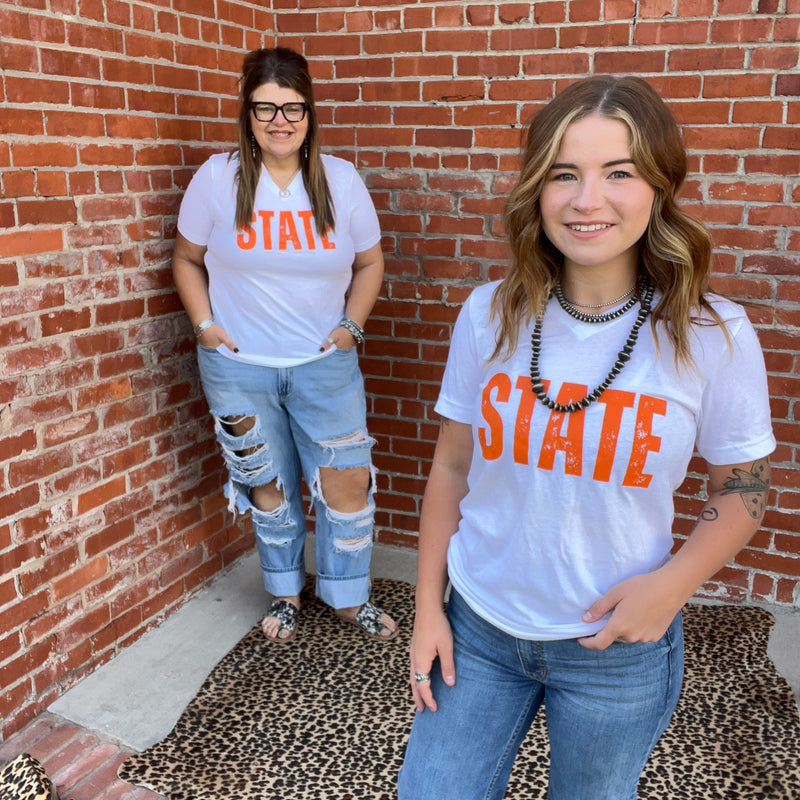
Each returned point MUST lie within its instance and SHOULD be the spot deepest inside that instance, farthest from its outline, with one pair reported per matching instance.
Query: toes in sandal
(368, 621)
(286, 614)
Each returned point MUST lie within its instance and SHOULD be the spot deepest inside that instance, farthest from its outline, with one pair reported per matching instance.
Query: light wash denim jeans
(306, 417)
(605, 712)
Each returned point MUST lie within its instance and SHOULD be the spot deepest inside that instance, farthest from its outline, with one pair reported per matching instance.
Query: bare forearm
(438, 523)
(193, 291)
(643, 606)
(729, 519)
(365, 285)
(447, 486)
(710, 547)
(191, 279)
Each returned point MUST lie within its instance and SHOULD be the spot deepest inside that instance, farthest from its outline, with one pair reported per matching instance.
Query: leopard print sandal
(24, 778)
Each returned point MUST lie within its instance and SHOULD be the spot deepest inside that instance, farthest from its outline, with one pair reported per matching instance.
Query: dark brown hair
(287, 69)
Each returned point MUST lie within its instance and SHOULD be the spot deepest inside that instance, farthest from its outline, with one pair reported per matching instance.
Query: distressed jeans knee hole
(354, 544)
(247, 455)
(273, 527)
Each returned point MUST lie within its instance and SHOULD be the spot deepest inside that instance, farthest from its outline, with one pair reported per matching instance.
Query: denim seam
(518, 728)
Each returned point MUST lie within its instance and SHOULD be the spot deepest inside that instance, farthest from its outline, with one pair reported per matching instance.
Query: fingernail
(235, 349)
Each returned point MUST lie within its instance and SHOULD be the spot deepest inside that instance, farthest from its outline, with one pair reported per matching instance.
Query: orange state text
(565, 432)
(283, 230)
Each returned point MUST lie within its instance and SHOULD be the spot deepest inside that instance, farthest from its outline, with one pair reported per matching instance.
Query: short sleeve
(196, 215)
(463, 372)
(736, 425)
(364, 226)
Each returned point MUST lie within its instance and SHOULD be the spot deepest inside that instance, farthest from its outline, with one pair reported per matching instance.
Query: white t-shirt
(561, 507)
(277, 287)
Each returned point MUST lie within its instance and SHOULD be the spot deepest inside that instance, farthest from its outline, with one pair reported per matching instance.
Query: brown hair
(675, 252)
(289, 70)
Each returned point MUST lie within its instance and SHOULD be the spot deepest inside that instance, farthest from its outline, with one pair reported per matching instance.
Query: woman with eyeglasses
(575, 394)
(278, 264)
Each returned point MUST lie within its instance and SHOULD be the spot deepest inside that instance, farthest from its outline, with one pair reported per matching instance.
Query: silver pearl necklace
(598, 305)
(595, 319)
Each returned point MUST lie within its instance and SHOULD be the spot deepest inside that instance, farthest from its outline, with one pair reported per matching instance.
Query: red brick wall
(110, 505)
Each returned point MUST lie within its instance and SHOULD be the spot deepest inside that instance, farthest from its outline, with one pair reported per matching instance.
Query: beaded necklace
(598, 305)
(570, 308)
(624, 355)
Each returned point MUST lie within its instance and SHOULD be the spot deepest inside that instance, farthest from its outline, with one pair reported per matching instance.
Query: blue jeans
(303, 418)
(605, 712)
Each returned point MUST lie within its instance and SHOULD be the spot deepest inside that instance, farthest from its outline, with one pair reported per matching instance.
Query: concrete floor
(138, 696)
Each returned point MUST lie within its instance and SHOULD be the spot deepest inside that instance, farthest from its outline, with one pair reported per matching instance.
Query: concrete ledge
(138, 696)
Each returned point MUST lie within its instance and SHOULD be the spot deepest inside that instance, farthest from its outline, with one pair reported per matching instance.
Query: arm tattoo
(709, 514)
(752, 486)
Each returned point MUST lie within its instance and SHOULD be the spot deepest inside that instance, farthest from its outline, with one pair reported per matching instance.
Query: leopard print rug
(25, 778)
(327, 717)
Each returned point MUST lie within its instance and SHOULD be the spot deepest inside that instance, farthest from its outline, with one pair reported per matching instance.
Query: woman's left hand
(642, 608)
(340, 337)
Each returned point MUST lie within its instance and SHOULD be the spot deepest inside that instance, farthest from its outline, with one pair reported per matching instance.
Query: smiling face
(280, 141)
(595, 205)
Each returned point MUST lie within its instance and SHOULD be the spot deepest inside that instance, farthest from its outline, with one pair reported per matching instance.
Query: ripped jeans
(302, 420)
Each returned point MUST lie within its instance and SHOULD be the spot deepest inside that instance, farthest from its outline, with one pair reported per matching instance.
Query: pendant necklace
(283, 191)
(624, 355)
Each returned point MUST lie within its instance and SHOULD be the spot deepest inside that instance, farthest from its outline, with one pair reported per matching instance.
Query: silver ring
(329, 340)
(422, 677)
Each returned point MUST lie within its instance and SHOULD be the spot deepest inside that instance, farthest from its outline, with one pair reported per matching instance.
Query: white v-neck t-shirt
(561, 507)
(277, 287)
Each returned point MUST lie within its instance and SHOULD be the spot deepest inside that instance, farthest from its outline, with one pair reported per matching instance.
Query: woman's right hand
(215, 335)
(432, 639)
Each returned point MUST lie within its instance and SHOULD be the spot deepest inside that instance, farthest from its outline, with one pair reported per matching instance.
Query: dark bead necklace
(624, 355)
(592, 318)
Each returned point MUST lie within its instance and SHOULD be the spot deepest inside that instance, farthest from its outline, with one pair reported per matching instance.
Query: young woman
(575, 393)
(278, 264)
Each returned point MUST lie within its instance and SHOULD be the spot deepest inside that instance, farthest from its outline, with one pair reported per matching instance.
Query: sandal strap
(285, 612)
(369, 618)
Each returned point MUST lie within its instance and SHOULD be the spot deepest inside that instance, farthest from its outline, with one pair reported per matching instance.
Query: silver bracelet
(202, 326)
(355, 330)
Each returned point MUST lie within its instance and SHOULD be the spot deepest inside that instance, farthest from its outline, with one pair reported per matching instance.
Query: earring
(305, 148)
(253, 147)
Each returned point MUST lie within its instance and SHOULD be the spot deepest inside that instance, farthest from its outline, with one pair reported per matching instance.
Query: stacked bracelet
(355, 330)
(202, 326)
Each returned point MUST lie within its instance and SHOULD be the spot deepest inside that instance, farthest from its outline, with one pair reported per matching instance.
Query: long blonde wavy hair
(289, 70)
(675, 252)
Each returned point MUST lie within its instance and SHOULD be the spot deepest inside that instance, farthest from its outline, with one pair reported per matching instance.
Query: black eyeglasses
(266, 112)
